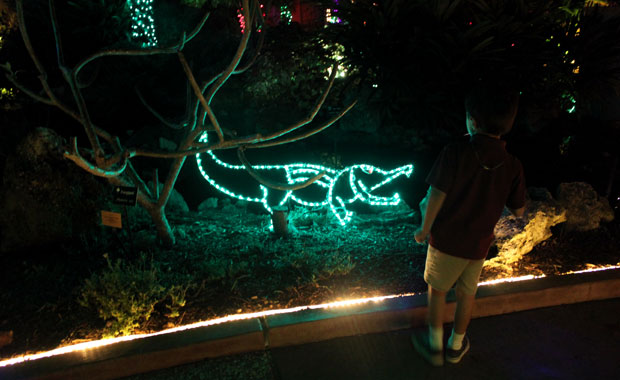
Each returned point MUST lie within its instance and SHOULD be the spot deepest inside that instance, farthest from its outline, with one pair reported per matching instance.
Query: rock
(144, 240)
(6, 338)
(45, 199)
(207, 204)
(176, 202)
(585, 209)
(515, 237)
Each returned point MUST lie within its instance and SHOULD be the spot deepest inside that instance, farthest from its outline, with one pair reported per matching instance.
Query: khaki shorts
(443, 270)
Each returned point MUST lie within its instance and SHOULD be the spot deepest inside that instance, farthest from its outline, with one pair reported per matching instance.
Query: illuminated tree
(111, 157)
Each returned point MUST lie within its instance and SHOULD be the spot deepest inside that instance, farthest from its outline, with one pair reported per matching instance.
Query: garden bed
(229, 262)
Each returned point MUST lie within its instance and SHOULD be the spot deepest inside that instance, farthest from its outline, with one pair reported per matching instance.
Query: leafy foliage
(126, 294)
(293, 65)
(423, 55)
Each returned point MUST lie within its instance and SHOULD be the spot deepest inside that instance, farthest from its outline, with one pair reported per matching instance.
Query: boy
(470, 183)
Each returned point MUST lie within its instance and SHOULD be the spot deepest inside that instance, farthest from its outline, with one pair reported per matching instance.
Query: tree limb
(75, 156)
(140, 52)
(24, 32)
(156, 114)
(311, 115)
(198, 93)
(238, 55)
(273, 184)
(59, 53)
(252, 141)
(306, 134)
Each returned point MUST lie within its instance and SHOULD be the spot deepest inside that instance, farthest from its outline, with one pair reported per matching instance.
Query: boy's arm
(434, 201)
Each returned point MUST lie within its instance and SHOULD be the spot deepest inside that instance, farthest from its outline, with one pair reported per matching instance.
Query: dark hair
(493, 106)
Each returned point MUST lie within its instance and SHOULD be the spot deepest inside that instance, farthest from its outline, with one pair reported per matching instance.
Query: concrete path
(579, 341)
(576, 341)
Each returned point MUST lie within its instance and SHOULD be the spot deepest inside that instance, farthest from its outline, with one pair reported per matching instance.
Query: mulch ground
(229, 262)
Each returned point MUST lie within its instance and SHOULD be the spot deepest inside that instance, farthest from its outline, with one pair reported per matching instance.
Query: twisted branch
(273, 184)
(201, 98)
(75, 156)
(156, 114)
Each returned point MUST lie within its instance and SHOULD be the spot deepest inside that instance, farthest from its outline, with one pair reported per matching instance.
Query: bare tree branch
(75, 156)
(117, 167)
(306, 134)
(261, 40)
(71, 78)
(59, 53)
(142, 52)
(11, 77)
(157, 115)
(238, 55)
(24, 32)
(273, 184)
(198, 27)
(198, 93)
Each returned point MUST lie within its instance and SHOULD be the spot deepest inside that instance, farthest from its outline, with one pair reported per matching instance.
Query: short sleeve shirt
(479, 178)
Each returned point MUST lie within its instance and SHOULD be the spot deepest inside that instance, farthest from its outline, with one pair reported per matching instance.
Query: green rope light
(143, 24)
(300, 172)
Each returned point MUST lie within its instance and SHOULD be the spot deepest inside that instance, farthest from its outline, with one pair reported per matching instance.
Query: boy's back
(469, 185)
(479, 177)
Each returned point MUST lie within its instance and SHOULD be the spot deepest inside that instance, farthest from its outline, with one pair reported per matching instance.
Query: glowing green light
(285, 15)
(300, 172)
(143, 24)
(572, 102)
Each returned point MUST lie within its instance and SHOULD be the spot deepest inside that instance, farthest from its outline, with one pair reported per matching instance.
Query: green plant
(317, 265)
(125, 295)
(176, 295)
(225, 271)
(337, 264)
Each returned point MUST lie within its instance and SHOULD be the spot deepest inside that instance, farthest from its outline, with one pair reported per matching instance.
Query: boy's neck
(486, 134)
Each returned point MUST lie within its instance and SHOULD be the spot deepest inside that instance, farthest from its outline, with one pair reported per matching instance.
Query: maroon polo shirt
(479, 177)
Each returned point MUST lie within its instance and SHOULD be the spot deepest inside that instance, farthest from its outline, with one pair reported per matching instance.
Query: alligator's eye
(367, 169)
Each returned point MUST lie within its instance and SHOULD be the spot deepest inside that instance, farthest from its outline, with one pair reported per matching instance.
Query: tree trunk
(164, 232)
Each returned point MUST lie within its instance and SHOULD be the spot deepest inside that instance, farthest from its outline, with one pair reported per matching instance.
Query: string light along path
(357, 176)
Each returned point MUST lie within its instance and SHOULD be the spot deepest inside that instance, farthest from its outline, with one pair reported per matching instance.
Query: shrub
(125, 295)
(315, 265)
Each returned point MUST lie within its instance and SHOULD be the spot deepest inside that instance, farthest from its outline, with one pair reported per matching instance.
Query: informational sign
(111, 219)
(125, 195)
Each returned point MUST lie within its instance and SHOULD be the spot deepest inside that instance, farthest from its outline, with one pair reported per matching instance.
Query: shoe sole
(456, 359)
(434, 360)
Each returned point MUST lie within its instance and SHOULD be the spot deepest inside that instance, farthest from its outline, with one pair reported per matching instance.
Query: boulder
(6, 338)
(46, 199)
(139, 218)
(176, 202)
(208, 204)
(515, 237)
(585, 208)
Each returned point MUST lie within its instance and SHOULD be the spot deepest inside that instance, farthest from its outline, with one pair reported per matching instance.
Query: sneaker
(422, 345)
(455, 356)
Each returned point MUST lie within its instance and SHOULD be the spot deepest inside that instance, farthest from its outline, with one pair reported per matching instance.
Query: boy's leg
(466, 287)
(440, 273)
(429, 343)
(436, 307)
(464, 307)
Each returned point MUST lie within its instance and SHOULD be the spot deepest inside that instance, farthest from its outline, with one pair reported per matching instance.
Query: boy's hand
(420, 235)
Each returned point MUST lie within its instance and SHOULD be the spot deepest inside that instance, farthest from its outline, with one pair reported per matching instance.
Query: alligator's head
(367, 180)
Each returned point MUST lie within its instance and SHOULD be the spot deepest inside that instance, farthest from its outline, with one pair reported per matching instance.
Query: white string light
(300, 172)
(85, 346)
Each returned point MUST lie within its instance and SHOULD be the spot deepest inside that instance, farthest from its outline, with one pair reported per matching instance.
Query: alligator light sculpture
(296, 173)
